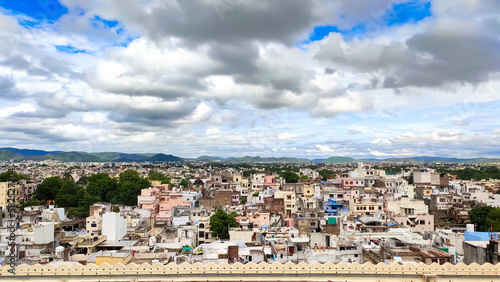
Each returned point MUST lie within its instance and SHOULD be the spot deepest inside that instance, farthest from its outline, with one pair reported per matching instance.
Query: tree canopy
(479, 215)
(102, 186)
(129, 187)
(220, 223)
(493, 219)
(290, 176)
(469, 173)
(48, 189)
(99, 187)
(12, 176)
(158, 176)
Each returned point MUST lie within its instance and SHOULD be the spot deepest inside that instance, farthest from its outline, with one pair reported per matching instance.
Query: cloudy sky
(358, 78)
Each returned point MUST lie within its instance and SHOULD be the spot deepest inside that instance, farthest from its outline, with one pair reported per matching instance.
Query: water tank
(152, 241)
(59, 252)
(469, 227)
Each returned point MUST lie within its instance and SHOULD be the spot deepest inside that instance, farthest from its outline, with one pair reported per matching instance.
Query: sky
(357, 78)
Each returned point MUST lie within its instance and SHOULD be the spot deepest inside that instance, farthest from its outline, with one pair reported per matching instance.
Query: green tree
(493, 220)
(85, 201)
(290, 176)
(304, 177)
(243, 200)
(82, 181)
(48, 189)
(129, 175)
(129, 187)
(12, 176)
(478, 216)
(325, 173)
(156, 176)
(102, 185)
(184, 183)
(67, 194)
(166, 181)
(220, 223)
(116, 209)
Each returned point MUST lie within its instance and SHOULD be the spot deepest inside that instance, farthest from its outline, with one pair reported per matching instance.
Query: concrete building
(114, 226)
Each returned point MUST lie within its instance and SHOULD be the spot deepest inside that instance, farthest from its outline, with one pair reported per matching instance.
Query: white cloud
(242, 84)
(288, 137)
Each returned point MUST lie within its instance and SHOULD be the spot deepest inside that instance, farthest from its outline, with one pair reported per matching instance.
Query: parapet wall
(485, 272)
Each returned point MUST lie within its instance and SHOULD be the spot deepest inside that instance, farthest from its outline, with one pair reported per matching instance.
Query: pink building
(261, 219)
(149, 200)
(348, 183)
(163, 187)
(167, 203)
(289, 222)
(270, 181)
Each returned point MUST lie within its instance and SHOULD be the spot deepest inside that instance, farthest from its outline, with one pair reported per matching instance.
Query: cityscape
(233, 140)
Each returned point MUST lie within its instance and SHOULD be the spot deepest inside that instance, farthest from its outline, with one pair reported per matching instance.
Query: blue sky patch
(98, 22)
(41, 10)
(70, 49)
(400, 14)
(408, 13)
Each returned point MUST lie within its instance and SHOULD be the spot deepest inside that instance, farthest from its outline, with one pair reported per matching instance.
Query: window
(93, 225)
(421, 222)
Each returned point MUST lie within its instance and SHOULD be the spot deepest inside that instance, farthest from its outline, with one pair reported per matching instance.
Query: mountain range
(40, 155)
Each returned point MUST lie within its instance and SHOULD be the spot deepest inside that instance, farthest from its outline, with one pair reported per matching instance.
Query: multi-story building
(365, 207)
(289, 201)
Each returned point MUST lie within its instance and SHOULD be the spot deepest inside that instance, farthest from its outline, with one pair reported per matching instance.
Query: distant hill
(213, 159)
(68, 157)
(248, 159)
(121, 157)
(164, 158)
(7, 154)
(28, 152)
(334, 160)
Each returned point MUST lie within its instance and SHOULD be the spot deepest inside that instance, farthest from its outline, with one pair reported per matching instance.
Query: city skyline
(362, 79)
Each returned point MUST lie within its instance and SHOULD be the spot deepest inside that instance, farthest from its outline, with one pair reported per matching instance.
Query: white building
(191, 196)
(114, 226)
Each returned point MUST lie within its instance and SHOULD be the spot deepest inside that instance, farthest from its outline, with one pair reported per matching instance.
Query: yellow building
(361, 208)
(288, 201)
(4, 193)
(110, 257)
(4, 187)
(308, 190)
(245, 183)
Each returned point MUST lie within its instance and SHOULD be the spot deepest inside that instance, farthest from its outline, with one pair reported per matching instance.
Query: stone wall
(254, 272)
